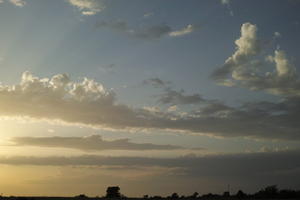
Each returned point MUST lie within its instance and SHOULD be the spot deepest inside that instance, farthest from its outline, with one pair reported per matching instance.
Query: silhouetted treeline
(113, 192)
(270, 192)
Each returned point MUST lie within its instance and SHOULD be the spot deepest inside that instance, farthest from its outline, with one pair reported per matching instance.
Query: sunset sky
(156, 96)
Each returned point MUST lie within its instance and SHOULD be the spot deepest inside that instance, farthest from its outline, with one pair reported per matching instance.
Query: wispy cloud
(227, 4)
(149, 33)
(184, 31)
(148, 14)
(19, 3)
(89, 143)
(88, 7)
(244, 167)
(172, 96)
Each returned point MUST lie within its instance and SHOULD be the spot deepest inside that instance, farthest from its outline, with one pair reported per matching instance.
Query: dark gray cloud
(147, 33)
(90, 143)
(273, 167)
(246, 67)
(172, 96)
(156, 82)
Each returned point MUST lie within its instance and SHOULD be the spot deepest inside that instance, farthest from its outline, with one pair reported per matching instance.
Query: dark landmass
(113, 193)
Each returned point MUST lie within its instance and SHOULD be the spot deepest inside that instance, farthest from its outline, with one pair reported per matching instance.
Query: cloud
(89, 143)
(225, 2)
(19, 3)
(156, 82)
(110, 68)
(147, 33)
(246, 168)
(277, 34)
(246, 67)
(87, 102)
(248, 171)
(88, 7)
(148, 14)
(172, 96)
(186, 30)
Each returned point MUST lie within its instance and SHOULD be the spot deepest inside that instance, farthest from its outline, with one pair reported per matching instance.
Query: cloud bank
(89, 143)
(243, 168)
(88, 103)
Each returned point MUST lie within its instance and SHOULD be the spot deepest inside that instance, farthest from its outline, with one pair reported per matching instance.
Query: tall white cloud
(246, 67)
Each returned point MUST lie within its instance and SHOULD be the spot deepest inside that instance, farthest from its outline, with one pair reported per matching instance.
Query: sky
(155, 96)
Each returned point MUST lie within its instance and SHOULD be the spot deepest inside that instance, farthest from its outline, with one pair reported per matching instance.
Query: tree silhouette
(268, 192)
(240, 194)
(174, 196)
(113, 192)
(195, 195)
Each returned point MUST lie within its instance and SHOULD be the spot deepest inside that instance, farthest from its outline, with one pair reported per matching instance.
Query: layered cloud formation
(248, 168)
(89, 103)
(89, 143)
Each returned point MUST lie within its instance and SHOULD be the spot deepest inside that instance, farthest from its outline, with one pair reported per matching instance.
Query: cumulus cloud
(88, 7)
(148, 33)
(89, 143)
(246, 67)
(87, 102)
